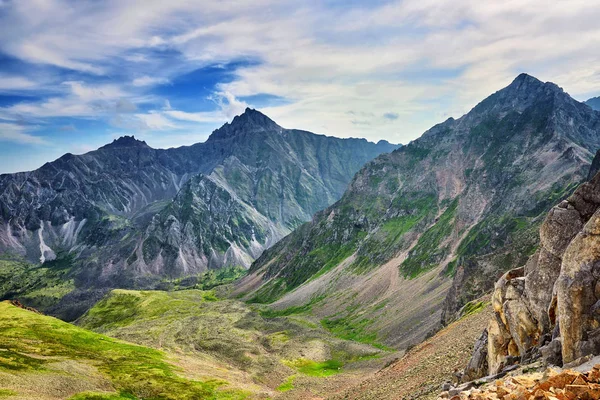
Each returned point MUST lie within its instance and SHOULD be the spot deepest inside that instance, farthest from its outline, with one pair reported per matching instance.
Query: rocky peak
(248, 122)
(523, 92)
(126, 141)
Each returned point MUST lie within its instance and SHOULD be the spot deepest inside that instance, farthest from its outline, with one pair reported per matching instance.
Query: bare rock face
(578, 305)
(514, 331)
(478, 365)
(552, 304)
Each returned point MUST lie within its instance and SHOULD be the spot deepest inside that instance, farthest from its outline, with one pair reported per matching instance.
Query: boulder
(478, 364)
(550, 308)
(577, 305)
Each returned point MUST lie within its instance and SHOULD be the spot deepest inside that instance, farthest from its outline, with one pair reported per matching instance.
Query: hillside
(128, 215)
(420, 373)
(275, 354)
(425, 229)
(44, 358)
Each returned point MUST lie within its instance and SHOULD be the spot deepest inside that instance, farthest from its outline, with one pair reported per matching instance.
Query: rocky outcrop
(478, 364)
(550, 308)
(550, 384)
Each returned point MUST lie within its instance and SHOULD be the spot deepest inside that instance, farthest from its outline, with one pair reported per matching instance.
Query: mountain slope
(422, 230)
(128, 214)
(594, 102)
(45, 358)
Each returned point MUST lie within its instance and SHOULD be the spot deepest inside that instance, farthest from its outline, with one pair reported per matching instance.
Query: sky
(74, 75)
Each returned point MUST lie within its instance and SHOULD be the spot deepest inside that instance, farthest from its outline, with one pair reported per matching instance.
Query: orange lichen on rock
(552, 385)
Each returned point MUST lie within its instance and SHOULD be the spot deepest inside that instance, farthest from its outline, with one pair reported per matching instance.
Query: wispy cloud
(13, 83)
(149, 81)
(17, 134)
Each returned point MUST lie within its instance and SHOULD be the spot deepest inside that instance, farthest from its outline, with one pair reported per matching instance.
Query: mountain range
(424, 230)
(127, 215)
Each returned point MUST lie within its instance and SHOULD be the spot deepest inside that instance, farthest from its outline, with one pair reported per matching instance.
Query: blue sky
(76, 74)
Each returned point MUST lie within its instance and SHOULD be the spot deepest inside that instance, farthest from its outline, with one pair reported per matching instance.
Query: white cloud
(9, 83)
(156, 121)
(193, 117)
(149, 81)
(17, 134)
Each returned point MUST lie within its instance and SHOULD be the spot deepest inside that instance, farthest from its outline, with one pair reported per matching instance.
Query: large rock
(513, 331)
(478, 365)
(578, 294)
(552, 304)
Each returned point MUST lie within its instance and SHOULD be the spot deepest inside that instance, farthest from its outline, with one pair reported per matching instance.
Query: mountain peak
(126, 141)
(523, 92)
(524, 77)
(250, 121)
(527, 83)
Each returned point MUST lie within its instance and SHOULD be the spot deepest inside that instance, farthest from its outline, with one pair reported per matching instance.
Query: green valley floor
(190, 344)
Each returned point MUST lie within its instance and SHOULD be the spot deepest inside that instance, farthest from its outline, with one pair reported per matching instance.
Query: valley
(190, 344)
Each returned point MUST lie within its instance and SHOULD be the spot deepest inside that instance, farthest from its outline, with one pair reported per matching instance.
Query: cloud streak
(17, 134)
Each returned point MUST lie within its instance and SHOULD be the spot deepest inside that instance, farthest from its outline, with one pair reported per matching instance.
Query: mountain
(427, 228)
(128, 215)
(594, 102)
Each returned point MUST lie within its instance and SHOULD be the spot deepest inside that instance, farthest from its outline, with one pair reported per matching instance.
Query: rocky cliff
(549, 308)
(127, 214)
(424, 230)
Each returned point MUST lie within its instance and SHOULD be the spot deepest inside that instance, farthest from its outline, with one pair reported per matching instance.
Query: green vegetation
(313, 368)
(125, 307)
(287, 385)
(270, 292)
(386, 242)
(206, 281)
(7, 393)
(247, 338)
(303, 309)
(37, 286)
(352, 328)
(103, 396)
(330, 256)
(472, 307)
(450, 269)
(492, 232)
(31, 342)
(427, 252)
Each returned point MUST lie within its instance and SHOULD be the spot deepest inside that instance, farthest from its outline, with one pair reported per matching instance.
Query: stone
(550, 308)
(552, 353)
(576, 295)
(478, 364)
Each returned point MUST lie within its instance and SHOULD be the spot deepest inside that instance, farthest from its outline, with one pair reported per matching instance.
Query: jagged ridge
(122, 212)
